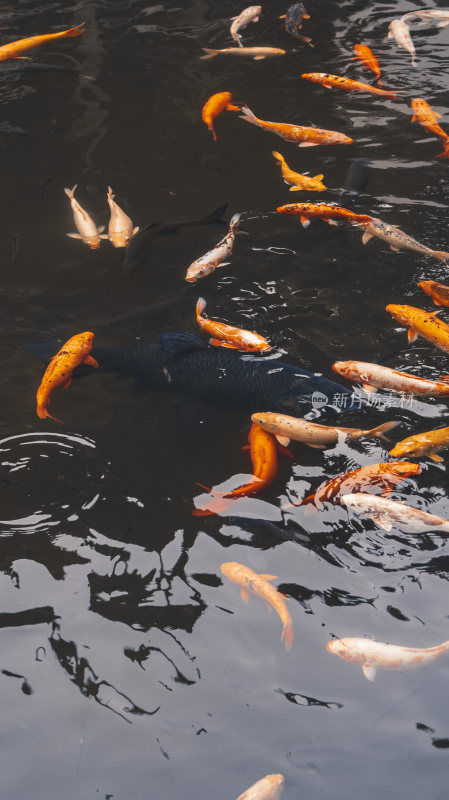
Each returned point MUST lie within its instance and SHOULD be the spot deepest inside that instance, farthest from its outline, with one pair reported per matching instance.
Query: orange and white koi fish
(120, 229)
(397, 239)
(59, 371)
(268, 788)
(364, 54)
(13, 49)
(422, 444)
(323, 211)
(421, 323)
(439, 292)
(228, 336)
(372, 655)
(250, 14)
(307, 137)
(373, 476)
(429, 15)
(428, 119)
(214, 258)
(311, 433)
(87, 230)
(374, 376)
(250, 581)
(348, 85)
(214, 106)
(298, 182)
(399, 30)
(257, 53)
(386, 513)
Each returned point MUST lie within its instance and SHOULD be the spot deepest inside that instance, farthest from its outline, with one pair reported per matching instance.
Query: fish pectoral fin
(415, 118)
(369, 672)
(331, 222)
(101, 228)
(442, 25)
(91, 361)
(316, 446)
(411, 335)
(73, 235)
(268, 607)
(367, 387)
(308, 144)
(67, 383)
(244, 594)
(283, 440)
(135, 230)
(395, 249)
(366, 237)
(219, 343)
(224, 263)
(267, 577)
(294, 188)
(282, 16)
(285, 451)
(259, 58)
(305, 221)
(382, 521)
(434, 457)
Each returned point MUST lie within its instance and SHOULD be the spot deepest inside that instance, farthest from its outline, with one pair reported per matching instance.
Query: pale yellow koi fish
(372, 655)
(87, 230)
(268, 788)
(298, 182)
(257, 53)
(120, 229)
(386, 513)
(250, 14)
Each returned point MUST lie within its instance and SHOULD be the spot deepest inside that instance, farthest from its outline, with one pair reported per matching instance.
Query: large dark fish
(135, 252)
(293, 22)
(357, 178)
(186, 363)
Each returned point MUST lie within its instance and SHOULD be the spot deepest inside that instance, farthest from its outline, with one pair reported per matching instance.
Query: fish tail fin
(215, 216)
(111, 194)
(232, 107)
(441, 255)
(445, 153)
(43, 414)
(379, 432)
(248, 115)
(379, 82)
(287, 634)
(211, 128)
(71, 192)
(77, 31)
(210, 53)
(200, 306)
(277, 156)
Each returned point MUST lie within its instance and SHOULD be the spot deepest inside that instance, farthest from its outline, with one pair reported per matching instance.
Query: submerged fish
(428, 15)
(320, 437)
(227, 336)
(421, 323)
(324, 211)
(386, 513)
(259, 585)
(13, 49)
(185, 363)
(268, 788)
(364, 54)
(422, 444)
(257, 53)
(214, 258)
(374, 376)
(307, 137)
(293, 22)
(356, 179)
(397, 239)
(372, 655)
(120, 229)
(74, 352)
(214, 106)
(298, 182)
(348, 85)
(87, 230)
(423, 114)
(439, 292)
(250, 14)
(399, 30)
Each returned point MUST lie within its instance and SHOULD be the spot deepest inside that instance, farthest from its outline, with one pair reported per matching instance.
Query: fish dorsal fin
(411, 335)
(175, 343)
(267, 577)
(244, 594)
(369, 672)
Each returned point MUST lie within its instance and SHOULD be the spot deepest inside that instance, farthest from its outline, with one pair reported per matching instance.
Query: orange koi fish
(348, 85)
(59, 371)
(364, 54)
(13, 49)
(228, 336)
(372, 655)
(422, 323)
(256, 53)
(422, 444)
(268, 788)
(214, 106)
(307, 137)
(298, 182)
(263, 450)
(250, 581)
(368, 479)
(309, 211)
(428, 119)
(439, 292)
(374, 376)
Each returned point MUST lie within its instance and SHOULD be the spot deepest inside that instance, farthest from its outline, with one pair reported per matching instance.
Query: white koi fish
(372, 655)
(311, 433)
(87, 230)
(374, 376)
(429, 15)
(268, 788)
(399, 30)
(214, 258)
(386, 513)
(120, 228)
(250, 14)
(397, 239)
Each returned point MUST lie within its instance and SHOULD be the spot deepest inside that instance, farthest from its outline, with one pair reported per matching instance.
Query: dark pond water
(128, 668)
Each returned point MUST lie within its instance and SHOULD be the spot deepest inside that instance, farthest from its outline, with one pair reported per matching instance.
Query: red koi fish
(364, 54)
(328, 213)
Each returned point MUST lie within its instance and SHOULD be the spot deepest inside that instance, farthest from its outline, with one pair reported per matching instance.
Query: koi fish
(88, 231)
(374, 377)
(228, 336)
(320, 437)
(268, 788)
(214, 106)
(293, 22)
(397, 239)
(399, 30)
(328, 213)
(257, 53)
(13, 49)
(439, 292)
(356, 179)
(421, 323)
(429, 15)
(422, 444)
(59, 371)
(428, 119)
(386, 513)
(120, 228)
(214, 258)
(372, 655)
(250, 14)
(373, 476)
(308, 137)
(364, 54)
(348, 85)
(259, 585)
(298, 182)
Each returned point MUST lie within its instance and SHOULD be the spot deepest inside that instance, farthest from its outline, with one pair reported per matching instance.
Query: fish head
(120, 238)
(403, 469)
(267, 421)
(338, 647)
(275, 785)
(253, 343)
(230, 569)
(406, 448)
(426, 286)
(84, 341)
(290, 208)
(347, 369)
(399, 313)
